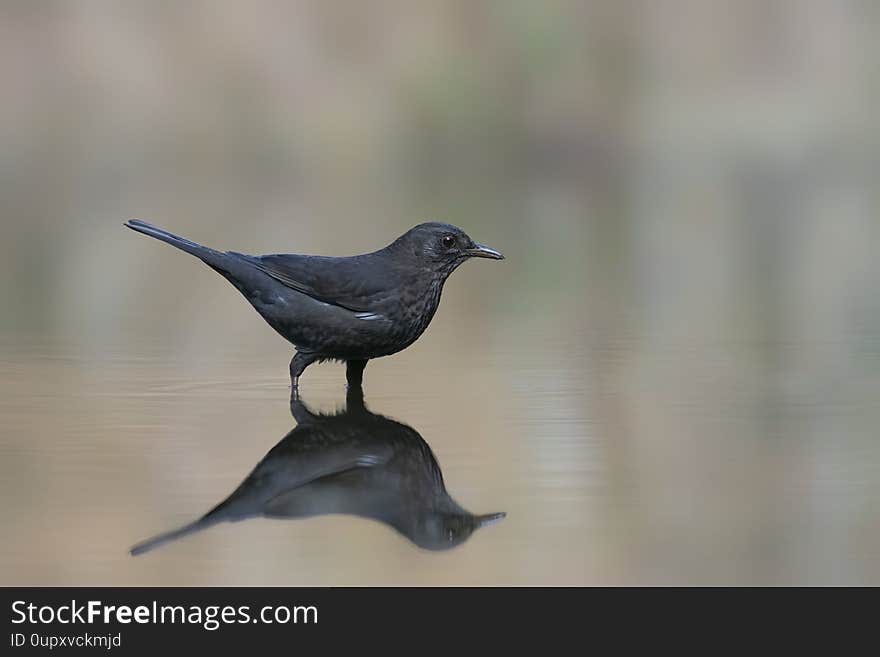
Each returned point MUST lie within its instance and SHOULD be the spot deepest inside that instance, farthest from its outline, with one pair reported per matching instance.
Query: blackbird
(350, 308)
(355, 463)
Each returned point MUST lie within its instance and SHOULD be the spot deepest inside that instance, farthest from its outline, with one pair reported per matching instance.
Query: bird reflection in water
(352, 462)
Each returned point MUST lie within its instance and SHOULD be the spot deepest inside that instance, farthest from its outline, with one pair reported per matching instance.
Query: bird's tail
(174, 534)
(207, 254)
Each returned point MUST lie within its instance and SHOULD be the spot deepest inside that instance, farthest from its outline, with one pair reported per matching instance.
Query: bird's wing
(307, 454)
(331, 464)
(351, 283)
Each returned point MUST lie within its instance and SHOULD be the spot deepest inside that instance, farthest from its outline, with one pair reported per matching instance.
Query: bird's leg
(298, 364)
(298, 409)
(354, 400)
(354, 372)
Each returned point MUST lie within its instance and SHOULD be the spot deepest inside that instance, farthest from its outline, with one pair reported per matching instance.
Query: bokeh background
(673, 378)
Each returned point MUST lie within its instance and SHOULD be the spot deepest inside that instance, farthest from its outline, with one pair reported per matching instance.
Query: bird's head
(442, 531)
(442, 247)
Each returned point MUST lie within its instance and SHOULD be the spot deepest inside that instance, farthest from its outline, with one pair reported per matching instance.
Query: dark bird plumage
(355, 463)
(348, 308)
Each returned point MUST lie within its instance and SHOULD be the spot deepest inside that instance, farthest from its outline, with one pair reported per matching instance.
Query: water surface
(615, 462)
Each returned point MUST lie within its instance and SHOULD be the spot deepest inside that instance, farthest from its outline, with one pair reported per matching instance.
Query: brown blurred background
(673, 378)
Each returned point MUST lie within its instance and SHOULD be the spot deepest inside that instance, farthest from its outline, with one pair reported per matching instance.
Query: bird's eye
(448, 241)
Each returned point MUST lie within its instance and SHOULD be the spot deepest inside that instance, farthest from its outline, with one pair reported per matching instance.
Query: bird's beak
(483, 251)
(490, 519)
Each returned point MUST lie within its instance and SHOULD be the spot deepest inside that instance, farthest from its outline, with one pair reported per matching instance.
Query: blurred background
(672, 379)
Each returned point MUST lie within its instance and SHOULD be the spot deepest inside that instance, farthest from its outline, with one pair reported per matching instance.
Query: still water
(617, 461)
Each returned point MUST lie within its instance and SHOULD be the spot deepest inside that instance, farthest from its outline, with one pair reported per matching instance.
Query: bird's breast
(417, 306)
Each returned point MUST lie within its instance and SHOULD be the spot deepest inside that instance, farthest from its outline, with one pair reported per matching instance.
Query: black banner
(122, 620)
(394, 620)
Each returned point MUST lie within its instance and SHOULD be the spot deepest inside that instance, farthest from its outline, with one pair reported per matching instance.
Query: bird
(352, 308)
(351, 462)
